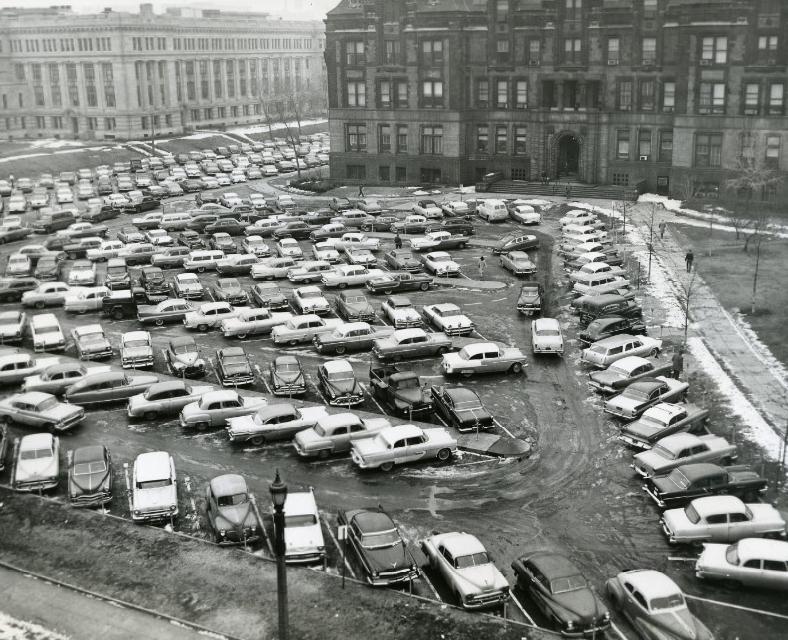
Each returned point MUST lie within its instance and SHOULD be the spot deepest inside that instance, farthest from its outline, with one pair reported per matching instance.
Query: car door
(232, 408)
(774, 574)
(740, 526)
(715, 527)
(340, 438)
(493, 361)
(415, 448)
(399, 451)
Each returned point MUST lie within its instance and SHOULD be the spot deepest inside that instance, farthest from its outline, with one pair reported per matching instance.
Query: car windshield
(301, 520)
(467, 405)
(678, 478)
(568, 583)
(47, 404)
(408, 383)
(441, 259)
(232, 500)
(185, 348)
(136, 343)
(52, 328)
(549, 332)
(692, 514)
(235, 361)
(89, 468)
(356, 300)
(663, 452)
(154, 484)
(635, 394)
(471, 560)
(598, 348)
(732, 554)
(380, 539)
(336, 376)
(311, 294)
(667, 602)
(35, 454)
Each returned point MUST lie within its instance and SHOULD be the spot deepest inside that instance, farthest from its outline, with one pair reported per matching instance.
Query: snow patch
(13, 629)
(51, 143)
(263, 128)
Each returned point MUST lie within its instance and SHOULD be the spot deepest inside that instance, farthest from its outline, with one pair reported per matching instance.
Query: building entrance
(568, 157)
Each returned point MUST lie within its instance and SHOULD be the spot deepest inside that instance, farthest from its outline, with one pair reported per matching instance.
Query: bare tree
(684, 187)
(751, 176)
(686, 290)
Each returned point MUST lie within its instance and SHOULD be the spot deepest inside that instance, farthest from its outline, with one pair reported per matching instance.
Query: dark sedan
(170, 310)
(233, 367)
(455, 226)
(296, 229)
(402, 260)
(108, 386)
(611, 326)
(460, 407)
(270, 296)
(398, 282)
(190, 239)
(381, 223)
(229, 290)
(89, 476)
(286, 376)
(225, 225)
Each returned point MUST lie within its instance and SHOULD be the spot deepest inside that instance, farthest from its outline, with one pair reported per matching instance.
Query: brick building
(670, 95)
(125, 75)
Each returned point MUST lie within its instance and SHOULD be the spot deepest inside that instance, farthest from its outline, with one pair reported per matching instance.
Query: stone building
(668, 95)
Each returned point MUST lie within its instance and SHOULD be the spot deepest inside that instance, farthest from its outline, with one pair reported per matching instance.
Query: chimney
(146, 10)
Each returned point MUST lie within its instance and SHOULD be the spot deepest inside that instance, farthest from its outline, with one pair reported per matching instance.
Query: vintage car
(605, 352)
(108, 386)
(359, 256)
(303, 534)
(338, 384)
(525, 214)
(379, 547)
(400, 312)
(380, 223)
(646, 392)
(91, 342)
(721, 519)
(221, 241)
(37, 463)
(394, 282)
(253, 321)
(210, 315)
(89, 476)
(286, 376)
(20, 265)
(351, 336)
(298, 229)
(188, 286)
(273, 268)
(136, 350)
(573, 216)
(354, 218)
(16, 366)
(56, 378)
(13, 324)
(461, 408)
(440, 264)
(607, 327)
(330, 230)
(170, 310)
(41, 411)
(680, 449)
(529, 301)
(546, 337)
(562, 594)
(428, 208)
(468, 571)
(686, 482)
(624, 372)
(654, 606)
(10, 234)
(662, 420)
(592, 257)
(586, 272)
(46, 334)
(335, 434)
(236, 264)
(483, 357)
(87, 299)
(516, 241)
(439, 240)
(229, 290)
(270, 296)
(13, 289)
(256, 246)
(448, 317)
(309, 271)
(750, 562)
(354, 307)
(455, 208)
(214, 408)
(233, 367)
(411, 224)
(401, 444)
(47, 294)
(518, 263)
(411, 343)
(324, 252)
(273, 422)
(164, 398)
(350, 275)
(310, 299)
(400, 390)
(402, 260)
(303, 328)
(230, 512)
(154, 493)
(183, 358)
(289, 248)
(84, 230)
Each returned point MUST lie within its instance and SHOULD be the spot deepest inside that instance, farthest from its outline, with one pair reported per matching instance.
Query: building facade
(671, 95)
(123, 75)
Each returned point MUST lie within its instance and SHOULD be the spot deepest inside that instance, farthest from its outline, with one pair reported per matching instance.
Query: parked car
(750, 562)
(682, 448)
(400, 312)
(401, 444)
(603, 353)
(164, 399)
(230, 511)
(303, 328)
(402, 260)
(89, 476)
(91, 342)
(397, 282)
(607, 327)
(410, 343)
(343, 276)
(136, 350)
(55, 378)
(400, 390)
(515, 241)
(233, 367)
(310, 299)
(40, 410)
(286, 376)
(154, 494)
(46, 294)
(214, 408)
(448, 318)
(354, 307)
(338, 384)
(440, 264)
(335, 434)
(167, 311)
(624, 372)
(525, 214)
(303, 534)
(108, 386)
(646, 392)
(351, 336)
(46, 333)
(37, 464)
(229, 290)
(12, 325)
(546, 337)
(273, 422)
(188, 286)
(272, 268)
(483, 357)
(518, 263)
(461, 408)
(210, 315)
(183, 358)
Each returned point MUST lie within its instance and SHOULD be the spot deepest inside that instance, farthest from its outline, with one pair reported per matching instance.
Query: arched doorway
(568, 157)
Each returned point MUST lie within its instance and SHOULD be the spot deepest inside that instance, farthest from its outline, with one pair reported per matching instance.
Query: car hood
(239, 369)
(190, 286)
(606, 377)
(98, 344)
(308, 438)
(360, 307)
(406, 314)
(484, 577)
(154, 498)
(388, 558)
(288, 377)
(39, 469)
(527, 297)
(675, 625)
(236, 515)
(89, 482)
(581, 605)
(275, 299)
(63, 411)
(188, 358)
(644, 430)
(307, 537)
(342, 387)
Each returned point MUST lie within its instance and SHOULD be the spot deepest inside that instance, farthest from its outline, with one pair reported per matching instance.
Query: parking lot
(576, 494)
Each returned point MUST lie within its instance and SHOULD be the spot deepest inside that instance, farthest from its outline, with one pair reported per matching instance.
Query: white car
(605, 352)
(46, 333)
(400, 312)
(12, 325)
(253, 321)
(359, 256)
(455, 208)
(117, 200)
(750, 562)
(256, 246)
(449, 318)
(525, 214)
(440, 264)
(289, 248)
(237, 176)
(272, 268)
(350, 275)
(429, 209)
(82, 274)
(188, 286)
(575, 216)
(154, 493)
(18, 265)
(37, 465)
(483, 357)
(64, 195)
(466, 568)
(210, 315)
(159, 238)
(108, 249)
(88, 299)
(593, 269)
(518, 262)
(151, 220)
(354, 240)
(303, 533)
(326, 252)
(136, 350)
(400, 444)
(230, 199)
(310, 300)
(303, 328)
(546, 336)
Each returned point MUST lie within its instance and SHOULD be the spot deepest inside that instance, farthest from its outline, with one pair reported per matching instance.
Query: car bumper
(39, 348)
(90, 500)
(36, 485)
(634, 442)
(643, 473)
(237, 381)
(154, 516)
(458, 331)
(95, 355)
(288, 390)
(386, 578)
(346, 401)
(305, 557)
(621, 413)
(407, 324)
(659, 501)
(486, 600)
(549, 350)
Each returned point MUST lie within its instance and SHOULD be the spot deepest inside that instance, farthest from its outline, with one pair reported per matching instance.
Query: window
(40, 122)
(501, 138)
(520, 140)
(776, 97)
(573, 50)
(109, 124)
(428, 175)
(502, 94)
(57, 122)
(774, 565)
(354, 53)
(534, 52)
(356, 172)
(773, 150)
(502, 10)
(402, 138)
(708, 149)
(384, 173)
(38, 97)
(644, 143)
(521, 94)
(384, 93)
(665, 146)
(402, 93)
(432, 53)
(432, 93)
(767, 44)
(622, 144)
(625, 95)
(356, 94)
(668, 96)
(613, 51)
(400, 174)
(650, 5)
(621, 179)
(356, 137)
(747, 147)
(649, 52)
(482, 93)
(752, 98)
(711, 97)
(92, 124)
(714, 50)
(482, 138)
(384, 138)
(432, 140)
(502, 50)
(647, 95)
(391, 52)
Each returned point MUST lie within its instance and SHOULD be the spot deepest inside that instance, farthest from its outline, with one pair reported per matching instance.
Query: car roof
(179, 340)
(220, 395)
(461, 543)
(390, 434)
(461, 393)
(615, 340)
(147, 465)
(167, 385)
(698, 470)
(300, 503)
(89, 453)
(339, 418)
(353, 326)
(399, 300)
(278, 409)
(652, 584)
(136, 335)
(228, 484)
(679, 440)
(372, 521)
(408, 333)
(664, 411)
(88, 328)
(36, 440)
(337, 366)
(46, 319)
(232, 351)
(33, 397)
(761, 548)
(445, 306)
(475, 347)
(285, 359)
(709, 505)
(547, 323)
(553, 565)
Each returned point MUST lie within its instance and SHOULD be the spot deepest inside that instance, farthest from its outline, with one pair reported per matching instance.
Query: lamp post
(278, 491)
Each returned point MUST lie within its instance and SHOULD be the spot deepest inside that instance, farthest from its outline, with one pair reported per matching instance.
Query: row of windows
(56, 122)
(236, 111)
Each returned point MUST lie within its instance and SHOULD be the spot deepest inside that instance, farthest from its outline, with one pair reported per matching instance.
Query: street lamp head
(278, 491)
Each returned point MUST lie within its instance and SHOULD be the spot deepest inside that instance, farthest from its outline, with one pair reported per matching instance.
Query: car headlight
(222, 532)
(606, 617)
(137, 512)
(570, 625)
(173, 507)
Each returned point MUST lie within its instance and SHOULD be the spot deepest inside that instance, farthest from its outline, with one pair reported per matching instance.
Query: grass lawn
(56, 160)
(729, 272)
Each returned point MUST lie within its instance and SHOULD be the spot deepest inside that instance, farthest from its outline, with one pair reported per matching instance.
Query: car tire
(40, 304)
(654, 352)
(343, 285)
(200, 269)
(444, 455)
(442, 350)
(150, 415)
(387, 292)
(201, 426)
(293, 343)
(323, 454)
(202, 328)
(386, 466)
(257, 440)
(340, 350)
(117, 314)
(424, 286)
(241, 336)
(517, 367)
(159, 322)
(72, 255)
(6, 420)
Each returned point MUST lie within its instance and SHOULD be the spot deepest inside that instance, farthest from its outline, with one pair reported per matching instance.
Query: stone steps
(603, 191)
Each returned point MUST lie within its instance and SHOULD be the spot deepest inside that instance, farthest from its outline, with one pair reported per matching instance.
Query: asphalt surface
(576, 494)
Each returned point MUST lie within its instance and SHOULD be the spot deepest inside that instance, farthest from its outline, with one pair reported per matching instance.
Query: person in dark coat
(662, 226)
(678, 362)
(689, 259)
(397, 241)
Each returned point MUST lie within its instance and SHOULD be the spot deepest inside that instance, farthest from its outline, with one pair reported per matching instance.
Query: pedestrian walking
(689, 259)
(568, 191)
(662, 226)
(482, 265)
(361, 191)
(397, 241)
(545, 179)
(11, 180)
(678, 362)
